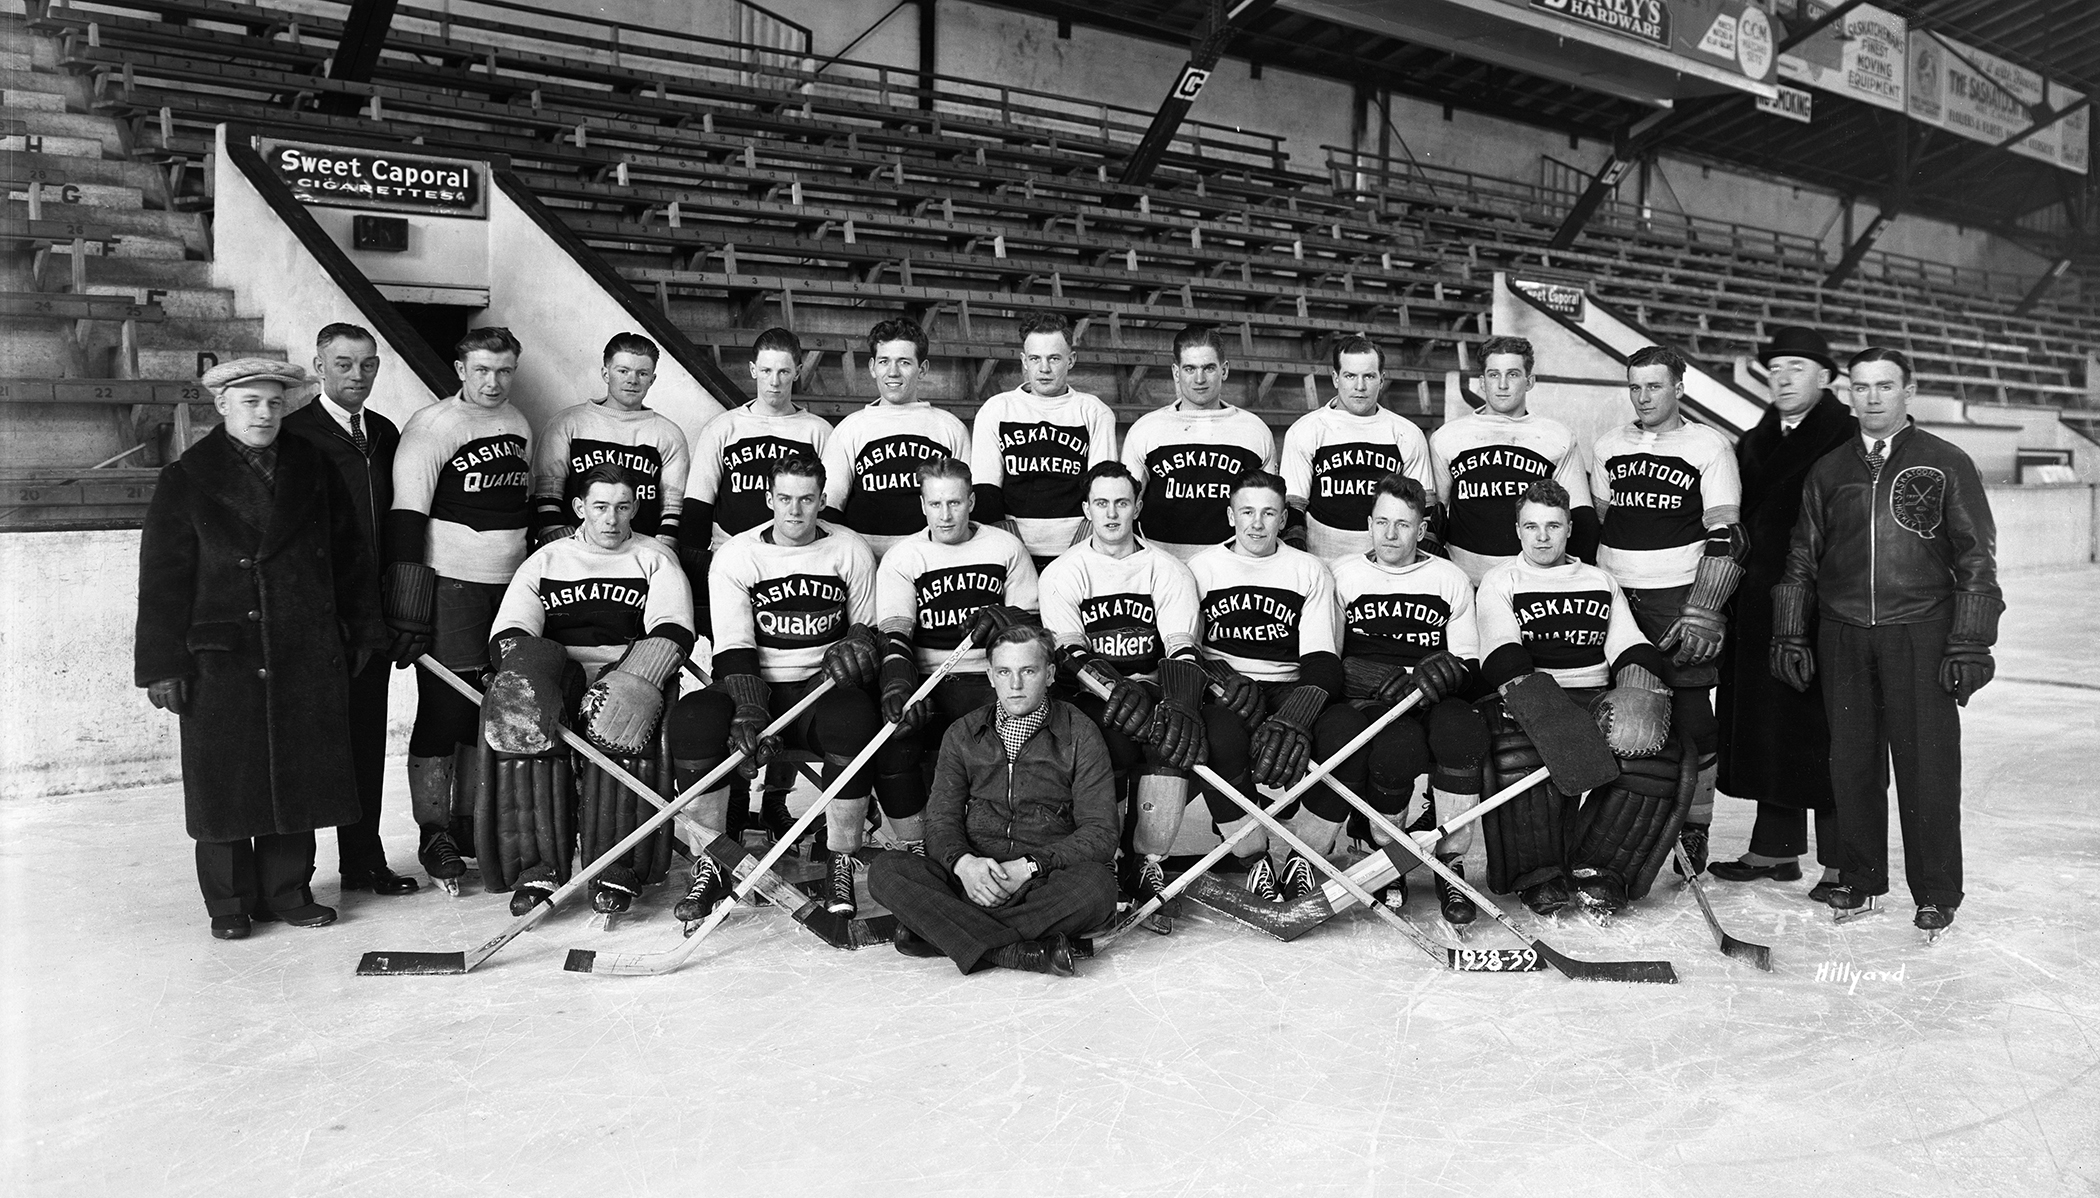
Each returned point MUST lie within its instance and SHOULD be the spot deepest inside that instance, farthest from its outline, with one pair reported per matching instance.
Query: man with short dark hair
(930, 591)
(1897, 550)
(1670, 503)
(1032, 446)
(1775, 741)
(613, 429)
(732, 463)
(1490, 457)
(1335, 455)
(1020, 829)
(872, 460)
(1187, 455)
(462, 500)
(360, 444)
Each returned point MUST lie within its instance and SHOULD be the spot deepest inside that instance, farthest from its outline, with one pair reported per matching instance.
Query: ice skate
(707, 890)
(1934, 920)
(440, 859)
(1151, 879)
(535, 886)
(1848, 904)
(1297, 878)
(1261, 880)
(1458, 910)
(838, 892)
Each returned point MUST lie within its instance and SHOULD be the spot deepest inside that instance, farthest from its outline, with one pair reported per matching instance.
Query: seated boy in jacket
(1020, 828)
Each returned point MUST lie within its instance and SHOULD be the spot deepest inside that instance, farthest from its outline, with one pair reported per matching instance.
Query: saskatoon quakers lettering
(950, 597)
(1124, 629)
(1563, 629)
(1485, 484)
(799, 611)
(1043, 464)
(747, 476)
(1654, 503)
(1402, 626)
(1345, 482)
(640, 460)
(484, 484)
(885, 499)
(1257, 622)
(1186, 491)
(594, 611)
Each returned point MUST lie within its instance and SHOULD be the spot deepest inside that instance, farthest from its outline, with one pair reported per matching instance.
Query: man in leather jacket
(1896, 546)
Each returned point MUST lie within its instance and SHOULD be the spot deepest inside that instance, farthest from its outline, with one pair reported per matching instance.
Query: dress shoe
(312, 915)
(379, 881)
(1746, 871)
(1051, 955)
(912, 946)
(262, 915)
(230, 927)
(1932, 917)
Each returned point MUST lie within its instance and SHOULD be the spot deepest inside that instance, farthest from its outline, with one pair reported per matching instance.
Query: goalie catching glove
(408, 602)
(747, 725)
(522, 711)
(854, 659)
(1127, 709)
(620, 710)
(1177, 724)
(1282, 746)
(1634, 715)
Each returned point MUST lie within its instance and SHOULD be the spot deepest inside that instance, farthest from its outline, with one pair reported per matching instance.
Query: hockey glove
(1791, 660)
(1634, 715)
(1282, 746)
(1237, 693)
(747, 725)
(854, 659)
(993, 619)
(1177, 721)
(1700, 627)
(408, 601)
(900, 677)
(1439, 676)
(522, 711)
(1127, 709)
(620, 710)
(171, 694)
(1968, 667)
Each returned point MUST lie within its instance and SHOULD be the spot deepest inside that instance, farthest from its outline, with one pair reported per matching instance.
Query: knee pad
(700, 725)
(1158, 799)
(1399, 755)
(901, 791)
(444, 717)
(1458, 736)
(842, 723)
(1228, 738)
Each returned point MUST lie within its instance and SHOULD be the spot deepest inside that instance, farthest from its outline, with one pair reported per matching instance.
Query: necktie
(1875, 459)
(357, 432)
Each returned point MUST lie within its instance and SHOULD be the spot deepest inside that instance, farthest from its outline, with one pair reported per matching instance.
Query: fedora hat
(1794, 341)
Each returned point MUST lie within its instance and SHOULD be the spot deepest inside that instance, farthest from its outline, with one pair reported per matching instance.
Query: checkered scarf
(1014, 732)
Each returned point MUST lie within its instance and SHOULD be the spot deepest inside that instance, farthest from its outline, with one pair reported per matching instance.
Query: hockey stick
(1595, 971)
(1742, 950)
(584, 960)
(1188, 876)
(1276, 828)
(378, 963)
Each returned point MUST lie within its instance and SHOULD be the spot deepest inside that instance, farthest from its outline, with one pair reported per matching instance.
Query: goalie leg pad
(1623, 825)
(1526, 837)
(1159, 798)
(523, 707)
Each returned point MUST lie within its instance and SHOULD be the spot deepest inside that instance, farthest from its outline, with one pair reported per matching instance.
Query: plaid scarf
(1014, 732)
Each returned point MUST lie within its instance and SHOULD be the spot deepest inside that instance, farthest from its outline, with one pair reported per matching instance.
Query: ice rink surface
(144, 1058)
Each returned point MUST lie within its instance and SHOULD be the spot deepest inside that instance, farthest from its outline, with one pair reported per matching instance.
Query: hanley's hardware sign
(1735, 35)
(341, 177)
(1648, 20)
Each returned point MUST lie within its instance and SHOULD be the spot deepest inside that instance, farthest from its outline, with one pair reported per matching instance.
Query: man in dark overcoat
(360, 444)
(258, 598)
(1775, 742)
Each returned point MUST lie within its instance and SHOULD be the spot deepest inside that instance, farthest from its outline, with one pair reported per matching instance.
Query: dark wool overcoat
(1775, 743)
(257, 597)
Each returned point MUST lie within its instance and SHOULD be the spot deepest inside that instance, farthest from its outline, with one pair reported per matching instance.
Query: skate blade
(1934, 935)
(449, 885)
(1871, 907)
(382, 964)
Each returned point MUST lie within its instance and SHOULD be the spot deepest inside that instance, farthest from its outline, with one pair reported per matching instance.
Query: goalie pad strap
(1975, 620)
(1713, 584)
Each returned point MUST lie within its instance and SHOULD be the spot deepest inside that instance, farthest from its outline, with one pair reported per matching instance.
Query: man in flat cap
(1775, 741)
(258, 599)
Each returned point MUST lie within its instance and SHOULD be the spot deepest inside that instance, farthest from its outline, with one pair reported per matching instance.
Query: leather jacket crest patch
(1918, 498)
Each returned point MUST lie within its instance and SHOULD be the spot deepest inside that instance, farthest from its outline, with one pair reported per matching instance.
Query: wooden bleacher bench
(102, 391)
(70, 306)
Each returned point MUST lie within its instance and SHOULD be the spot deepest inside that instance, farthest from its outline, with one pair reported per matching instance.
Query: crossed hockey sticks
(807, 911)
(1189, 876)
(1596, 971)
(584, 960)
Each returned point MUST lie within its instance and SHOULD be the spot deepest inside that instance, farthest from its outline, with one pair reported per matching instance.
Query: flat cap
(242, 370)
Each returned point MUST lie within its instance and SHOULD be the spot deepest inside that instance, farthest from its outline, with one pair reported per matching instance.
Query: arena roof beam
(357, 53)
(1204, 52)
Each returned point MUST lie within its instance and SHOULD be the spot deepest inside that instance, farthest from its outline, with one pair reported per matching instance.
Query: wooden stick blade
(1659, 972)
(385, 964)
(1285, 921)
